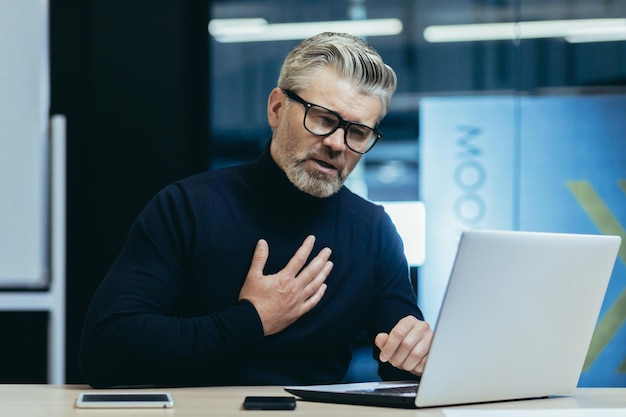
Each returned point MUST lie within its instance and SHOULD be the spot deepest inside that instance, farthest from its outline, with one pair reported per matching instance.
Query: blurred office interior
(157, 90)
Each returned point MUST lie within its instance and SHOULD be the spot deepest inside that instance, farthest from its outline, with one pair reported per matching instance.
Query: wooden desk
(58, 401)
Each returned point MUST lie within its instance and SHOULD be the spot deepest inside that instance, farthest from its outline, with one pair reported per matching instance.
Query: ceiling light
(257, 29)
(607, 34)
(518, 30)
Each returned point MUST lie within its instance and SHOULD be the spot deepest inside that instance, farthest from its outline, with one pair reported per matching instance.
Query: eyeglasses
(323, 122)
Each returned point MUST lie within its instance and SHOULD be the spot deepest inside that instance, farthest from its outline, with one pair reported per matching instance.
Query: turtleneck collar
(271, 183)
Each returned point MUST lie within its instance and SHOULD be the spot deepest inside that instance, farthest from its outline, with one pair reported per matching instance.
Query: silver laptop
(516, 323)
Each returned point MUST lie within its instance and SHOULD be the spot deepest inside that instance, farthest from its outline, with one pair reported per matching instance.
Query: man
(266, 273)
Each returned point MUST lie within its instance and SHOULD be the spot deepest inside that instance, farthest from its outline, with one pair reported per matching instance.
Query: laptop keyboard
(404, 389)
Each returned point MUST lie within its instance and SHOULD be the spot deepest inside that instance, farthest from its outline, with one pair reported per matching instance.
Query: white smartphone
(124, 400)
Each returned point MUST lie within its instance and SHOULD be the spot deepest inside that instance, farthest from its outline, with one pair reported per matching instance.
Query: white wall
(24, 104)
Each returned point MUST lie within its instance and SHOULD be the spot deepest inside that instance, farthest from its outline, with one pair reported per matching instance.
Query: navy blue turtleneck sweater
(167, 313)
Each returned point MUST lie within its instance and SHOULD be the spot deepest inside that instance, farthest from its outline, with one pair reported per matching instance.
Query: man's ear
(275, 107)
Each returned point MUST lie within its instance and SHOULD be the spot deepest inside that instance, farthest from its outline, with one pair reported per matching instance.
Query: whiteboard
(24, 106)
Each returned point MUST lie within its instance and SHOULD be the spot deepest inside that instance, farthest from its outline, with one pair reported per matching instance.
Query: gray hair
(350, 56)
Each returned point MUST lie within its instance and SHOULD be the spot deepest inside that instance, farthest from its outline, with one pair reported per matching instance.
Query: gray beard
(317, 184)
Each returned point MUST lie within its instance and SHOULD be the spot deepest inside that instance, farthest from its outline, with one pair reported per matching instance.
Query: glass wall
(243, 73)
(509, 114)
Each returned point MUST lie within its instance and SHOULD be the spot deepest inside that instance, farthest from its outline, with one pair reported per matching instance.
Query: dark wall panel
(23, 351)
(131, 76)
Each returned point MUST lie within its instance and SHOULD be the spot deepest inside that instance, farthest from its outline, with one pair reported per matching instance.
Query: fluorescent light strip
(258, 30)
(608, 34)
(517, 30)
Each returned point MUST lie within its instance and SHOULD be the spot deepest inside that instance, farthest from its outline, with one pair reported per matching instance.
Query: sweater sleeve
(395, 297)
(132, 333)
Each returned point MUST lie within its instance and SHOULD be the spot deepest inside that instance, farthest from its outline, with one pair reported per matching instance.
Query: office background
(151, 96)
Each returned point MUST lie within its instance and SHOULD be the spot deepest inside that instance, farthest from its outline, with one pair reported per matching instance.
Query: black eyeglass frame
(343, 124)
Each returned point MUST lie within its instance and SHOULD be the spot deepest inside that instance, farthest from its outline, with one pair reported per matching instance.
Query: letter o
(469, 175)
(470, 208)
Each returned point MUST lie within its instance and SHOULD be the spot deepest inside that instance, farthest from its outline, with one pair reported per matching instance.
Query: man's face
(318, 165)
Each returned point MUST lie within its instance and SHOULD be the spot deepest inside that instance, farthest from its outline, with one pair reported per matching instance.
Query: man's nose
(336, 140)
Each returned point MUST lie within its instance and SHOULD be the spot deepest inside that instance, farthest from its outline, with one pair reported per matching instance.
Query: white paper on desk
(545, 412)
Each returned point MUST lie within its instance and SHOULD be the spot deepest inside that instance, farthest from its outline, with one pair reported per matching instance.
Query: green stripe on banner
(622, 185)
(604, 220)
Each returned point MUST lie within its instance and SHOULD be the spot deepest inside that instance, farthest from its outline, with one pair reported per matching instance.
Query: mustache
(335, 157)
(325, 153)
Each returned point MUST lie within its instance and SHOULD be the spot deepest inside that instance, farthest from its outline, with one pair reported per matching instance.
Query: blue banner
(527, 163)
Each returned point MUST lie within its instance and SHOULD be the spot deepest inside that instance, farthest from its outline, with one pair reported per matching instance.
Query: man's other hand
(407, 345)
